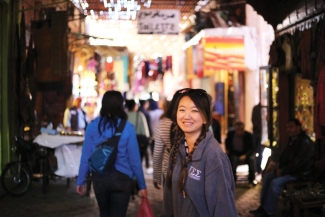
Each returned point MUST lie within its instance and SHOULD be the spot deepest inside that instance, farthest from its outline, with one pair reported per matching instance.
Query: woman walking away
(199, 176)
(112, 189)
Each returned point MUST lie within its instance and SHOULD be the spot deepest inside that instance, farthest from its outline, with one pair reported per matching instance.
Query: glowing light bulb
(109, 59)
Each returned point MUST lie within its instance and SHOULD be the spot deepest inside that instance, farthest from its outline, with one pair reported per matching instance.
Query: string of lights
(115, 9)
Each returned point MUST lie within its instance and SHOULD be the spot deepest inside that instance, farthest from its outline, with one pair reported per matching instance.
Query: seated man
(295, 163)
(240, 148)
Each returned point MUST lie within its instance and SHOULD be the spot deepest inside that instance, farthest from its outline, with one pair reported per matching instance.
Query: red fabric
(169, 63)
(320, 104)
(304, 50)
(109, 66)
(321, 51)
(145, 209)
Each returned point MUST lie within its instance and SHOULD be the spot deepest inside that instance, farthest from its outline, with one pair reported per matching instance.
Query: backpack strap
(104, 159)
(120, 128)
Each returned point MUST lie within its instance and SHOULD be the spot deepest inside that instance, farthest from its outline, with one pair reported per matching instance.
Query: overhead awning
(274, 11)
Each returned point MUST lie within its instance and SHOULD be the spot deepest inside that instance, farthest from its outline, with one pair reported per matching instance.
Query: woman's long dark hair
(171, 107)
(203, 104)
(112, 109)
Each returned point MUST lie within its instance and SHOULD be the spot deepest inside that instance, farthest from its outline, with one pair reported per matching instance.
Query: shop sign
(164, 22)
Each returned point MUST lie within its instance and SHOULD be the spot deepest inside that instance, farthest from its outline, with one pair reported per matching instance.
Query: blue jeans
(112, 193)
(271, 190)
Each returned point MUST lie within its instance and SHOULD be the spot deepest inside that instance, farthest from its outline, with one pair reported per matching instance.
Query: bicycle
(31, 163)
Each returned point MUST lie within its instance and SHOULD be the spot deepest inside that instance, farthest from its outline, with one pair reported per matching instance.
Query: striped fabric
(161, 155)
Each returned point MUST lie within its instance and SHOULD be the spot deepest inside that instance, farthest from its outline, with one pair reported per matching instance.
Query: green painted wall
(8, 20)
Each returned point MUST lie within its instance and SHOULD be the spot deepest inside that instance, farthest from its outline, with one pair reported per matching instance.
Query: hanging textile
(51, 48)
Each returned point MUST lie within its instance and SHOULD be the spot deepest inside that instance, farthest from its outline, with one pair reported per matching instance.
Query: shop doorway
(236, 98)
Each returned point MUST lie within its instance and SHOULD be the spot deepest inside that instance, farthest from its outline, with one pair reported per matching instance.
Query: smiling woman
(198, 167)
(190, 120)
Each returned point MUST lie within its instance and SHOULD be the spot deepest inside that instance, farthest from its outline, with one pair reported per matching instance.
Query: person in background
(140, 123)
(144, 105)
(199, 178)
(295, 163)
(240, 148)
(163, 142)
(257, 136)
(68, 105)
(216, 127)
(137, 118)
(155, 114)
(112, 189)
(75, 118)
(152, 102)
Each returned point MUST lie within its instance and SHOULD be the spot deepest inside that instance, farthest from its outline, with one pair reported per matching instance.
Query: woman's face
(188, 117)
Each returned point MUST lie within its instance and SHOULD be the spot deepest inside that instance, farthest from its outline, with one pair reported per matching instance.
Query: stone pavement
(61, 201)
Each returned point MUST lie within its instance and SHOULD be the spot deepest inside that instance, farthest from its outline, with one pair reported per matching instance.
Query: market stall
(67, 150)
(224, 61)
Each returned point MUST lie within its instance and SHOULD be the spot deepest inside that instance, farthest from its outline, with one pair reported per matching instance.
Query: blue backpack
(103, 158)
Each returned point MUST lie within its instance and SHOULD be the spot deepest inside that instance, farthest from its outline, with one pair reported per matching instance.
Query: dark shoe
(259, 210)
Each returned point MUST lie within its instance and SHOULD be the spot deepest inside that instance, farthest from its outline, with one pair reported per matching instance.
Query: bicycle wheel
(14, 182)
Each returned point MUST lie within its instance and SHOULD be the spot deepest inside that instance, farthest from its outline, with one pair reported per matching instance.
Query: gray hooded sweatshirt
(209, 186)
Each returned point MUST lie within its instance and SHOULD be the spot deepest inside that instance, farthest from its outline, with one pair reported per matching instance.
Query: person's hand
(156, 185)
(243, 157)
(144, 193)
(278, 172)
(80, 190)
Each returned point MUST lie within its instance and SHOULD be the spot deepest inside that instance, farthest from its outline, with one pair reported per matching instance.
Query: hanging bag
(104, 157)
(145, 209)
